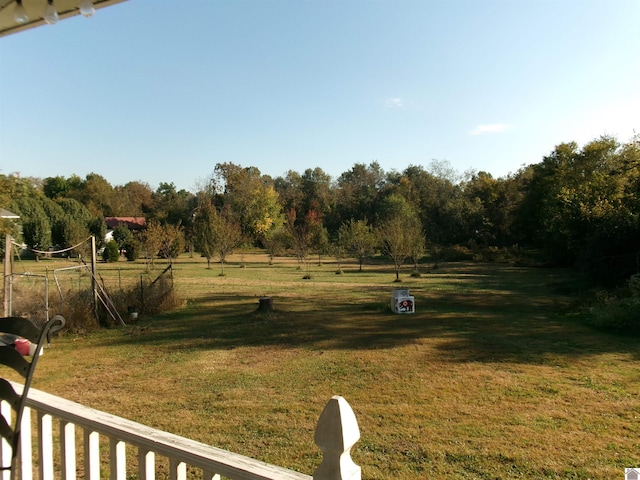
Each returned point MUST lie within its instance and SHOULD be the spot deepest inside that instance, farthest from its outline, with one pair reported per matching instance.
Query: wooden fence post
(336, 433)
(8, 270)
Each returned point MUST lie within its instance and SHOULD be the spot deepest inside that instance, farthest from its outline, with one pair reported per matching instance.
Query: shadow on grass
(505, 317)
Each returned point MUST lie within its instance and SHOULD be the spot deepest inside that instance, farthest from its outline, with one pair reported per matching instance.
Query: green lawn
(490, 378)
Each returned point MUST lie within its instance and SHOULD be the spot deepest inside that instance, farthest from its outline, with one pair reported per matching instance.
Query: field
(491, 378)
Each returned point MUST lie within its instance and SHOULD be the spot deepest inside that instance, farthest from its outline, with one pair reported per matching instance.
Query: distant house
(8, 224)
(133, 223)
(8, 221)
(8, 215)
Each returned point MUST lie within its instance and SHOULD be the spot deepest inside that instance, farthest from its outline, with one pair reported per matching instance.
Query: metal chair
(20, 328)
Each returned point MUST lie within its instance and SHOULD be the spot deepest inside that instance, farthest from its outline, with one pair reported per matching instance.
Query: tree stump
(266, 304)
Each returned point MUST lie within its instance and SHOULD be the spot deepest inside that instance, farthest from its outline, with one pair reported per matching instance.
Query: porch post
(337, 432)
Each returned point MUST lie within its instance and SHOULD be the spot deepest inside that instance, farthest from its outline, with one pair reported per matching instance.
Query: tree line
(577, 207)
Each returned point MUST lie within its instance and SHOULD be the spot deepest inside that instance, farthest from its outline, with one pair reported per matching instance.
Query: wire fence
(88, 296)
(120, 295)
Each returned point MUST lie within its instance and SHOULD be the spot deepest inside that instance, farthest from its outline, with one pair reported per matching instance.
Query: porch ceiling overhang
(35, 12)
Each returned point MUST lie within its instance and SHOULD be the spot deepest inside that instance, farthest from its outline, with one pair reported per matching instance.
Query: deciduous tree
(358, 192)
(229, 237)
(298, 231)
(204, 224)
(358, 238)
(582, 207)
(400, 231)
(216, 233)
(250, 199)
(276, 242)
(318, 235)
(152, 240)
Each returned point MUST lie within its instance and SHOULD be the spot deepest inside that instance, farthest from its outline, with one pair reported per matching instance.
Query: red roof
(132, 223)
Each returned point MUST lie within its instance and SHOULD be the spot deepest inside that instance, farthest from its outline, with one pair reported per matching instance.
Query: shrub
(76, 306)
(634, 285)
(616, 315)
(132, 249)
(455, 253)
(493, 254)
(619, 314)
(111, 252)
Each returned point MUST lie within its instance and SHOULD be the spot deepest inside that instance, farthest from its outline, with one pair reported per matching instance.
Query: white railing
(110, 443)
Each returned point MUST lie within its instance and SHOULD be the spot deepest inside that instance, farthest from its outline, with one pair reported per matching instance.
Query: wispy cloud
(492, 128)
(394, 102)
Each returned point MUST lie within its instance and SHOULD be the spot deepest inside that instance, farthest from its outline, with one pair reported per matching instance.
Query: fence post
(94, 284)
(141, 295)
(7, 272)
(336, 433)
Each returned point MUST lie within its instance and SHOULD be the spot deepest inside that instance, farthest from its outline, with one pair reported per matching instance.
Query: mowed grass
(490, 378)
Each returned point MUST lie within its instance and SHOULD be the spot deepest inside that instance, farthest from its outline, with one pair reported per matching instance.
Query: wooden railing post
(337, 432)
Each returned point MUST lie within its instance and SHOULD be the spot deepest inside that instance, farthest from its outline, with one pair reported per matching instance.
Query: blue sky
(162, 90)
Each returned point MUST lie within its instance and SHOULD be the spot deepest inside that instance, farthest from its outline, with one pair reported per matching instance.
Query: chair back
(17, 328)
